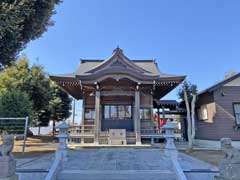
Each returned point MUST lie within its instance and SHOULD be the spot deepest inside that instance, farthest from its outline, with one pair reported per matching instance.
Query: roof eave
(221, 83)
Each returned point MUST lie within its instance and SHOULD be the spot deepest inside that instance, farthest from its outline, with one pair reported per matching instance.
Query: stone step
(116, 175)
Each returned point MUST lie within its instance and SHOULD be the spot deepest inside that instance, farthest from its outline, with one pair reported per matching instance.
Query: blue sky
(200, 39)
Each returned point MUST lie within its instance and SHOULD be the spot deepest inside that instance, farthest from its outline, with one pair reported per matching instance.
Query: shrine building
(117, 93)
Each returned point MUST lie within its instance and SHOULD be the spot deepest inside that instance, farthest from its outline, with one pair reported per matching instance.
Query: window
(121, 112)
(89, 114)
(145, 113)
(203, 113)
(128, 112)
(106, 112)
(236, 107)
(117, 111)
(113, 112)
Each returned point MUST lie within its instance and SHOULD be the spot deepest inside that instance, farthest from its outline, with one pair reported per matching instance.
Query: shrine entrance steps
(116, 164)
(130, 163)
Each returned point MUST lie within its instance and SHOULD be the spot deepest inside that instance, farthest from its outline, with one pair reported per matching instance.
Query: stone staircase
(117, 164)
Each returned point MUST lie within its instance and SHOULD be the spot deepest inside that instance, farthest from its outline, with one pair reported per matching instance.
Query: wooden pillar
(83, 110)
(163, 112)
(151, 102)
(158, 119)
(97, 117)
(74, 109)
(137, 126)
(83, 117)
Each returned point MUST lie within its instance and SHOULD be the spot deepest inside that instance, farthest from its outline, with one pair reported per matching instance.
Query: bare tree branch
(189, 130)
(193, 116)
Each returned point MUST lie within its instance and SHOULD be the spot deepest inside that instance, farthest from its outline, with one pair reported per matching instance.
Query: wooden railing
(77, 133)
(81, 130)
(159, 133)
(85, 134)
(151, 131)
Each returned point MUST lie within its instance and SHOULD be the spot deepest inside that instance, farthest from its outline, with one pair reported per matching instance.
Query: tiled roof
(144, 69)
(148, 65)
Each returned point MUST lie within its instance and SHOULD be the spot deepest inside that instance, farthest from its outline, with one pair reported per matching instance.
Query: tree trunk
(39, 130)
(189, 130)
(193, 117)
(53, 130)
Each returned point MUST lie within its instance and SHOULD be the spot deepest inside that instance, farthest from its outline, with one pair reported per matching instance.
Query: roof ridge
(134, 60)
(142, 60)
(220, 83)
(91, 60)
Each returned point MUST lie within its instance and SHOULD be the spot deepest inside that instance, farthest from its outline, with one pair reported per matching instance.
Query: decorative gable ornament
(117, 59)
(118, 63)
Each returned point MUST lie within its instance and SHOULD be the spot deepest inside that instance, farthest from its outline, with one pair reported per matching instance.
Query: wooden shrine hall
(118, 96)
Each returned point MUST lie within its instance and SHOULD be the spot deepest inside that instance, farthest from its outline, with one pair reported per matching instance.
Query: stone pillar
(97, 117)
(62, 150)
(8, 168)
(171, 150)
(137, 123)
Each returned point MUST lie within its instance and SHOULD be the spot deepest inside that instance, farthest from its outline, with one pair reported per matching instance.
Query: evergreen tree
(60, 104)
(20, 22)
(30, 80)
(15, 103)
(46, 100)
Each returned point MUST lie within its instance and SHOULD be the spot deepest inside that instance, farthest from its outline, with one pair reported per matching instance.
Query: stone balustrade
(61, 153)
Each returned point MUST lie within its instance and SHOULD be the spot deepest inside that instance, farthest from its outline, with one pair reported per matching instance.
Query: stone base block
(14, 177)
(138, 143)
(7, 167)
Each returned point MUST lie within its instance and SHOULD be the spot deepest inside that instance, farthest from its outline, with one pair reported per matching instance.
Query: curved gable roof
(118, 59)
(117, 66)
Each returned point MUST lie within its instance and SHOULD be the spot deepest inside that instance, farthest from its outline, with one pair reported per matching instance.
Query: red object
(159, 121)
